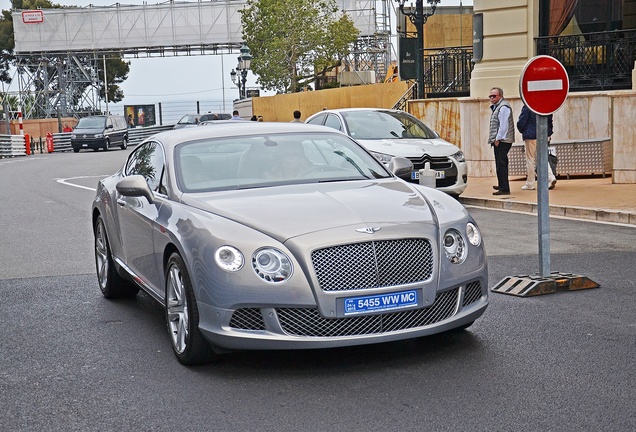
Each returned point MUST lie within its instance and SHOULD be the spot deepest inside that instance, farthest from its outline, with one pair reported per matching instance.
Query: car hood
(284, 212)
(410, 147)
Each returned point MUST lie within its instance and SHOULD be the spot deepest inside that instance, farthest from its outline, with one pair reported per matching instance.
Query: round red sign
(544, 84)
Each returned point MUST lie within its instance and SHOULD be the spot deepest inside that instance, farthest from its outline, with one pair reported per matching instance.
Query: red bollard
(27, 143)
(49, 142)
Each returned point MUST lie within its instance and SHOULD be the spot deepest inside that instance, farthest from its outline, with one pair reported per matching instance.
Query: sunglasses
(492, 96)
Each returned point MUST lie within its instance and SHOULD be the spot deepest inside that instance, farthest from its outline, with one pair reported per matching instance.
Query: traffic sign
(544, 84)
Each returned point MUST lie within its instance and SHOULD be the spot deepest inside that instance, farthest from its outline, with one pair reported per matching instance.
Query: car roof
(339, 110)
(236, 128)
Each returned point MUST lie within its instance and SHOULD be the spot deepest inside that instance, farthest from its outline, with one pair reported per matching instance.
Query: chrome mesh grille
(247, 319)
(309, 322)
(472, 294)
(373, 264)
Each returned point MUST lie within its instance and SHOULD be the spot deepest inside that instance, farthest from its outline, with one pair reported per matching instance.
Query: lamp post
(419, 18)
(239, 76)
(235, 81)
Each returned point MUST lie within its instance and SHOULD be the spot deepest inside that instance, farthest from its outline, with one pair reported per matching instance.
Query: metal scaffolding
(58, 57)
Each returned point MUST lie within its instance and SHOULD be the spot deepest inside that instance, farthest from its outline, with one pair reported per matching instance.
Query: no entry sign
(544, 84)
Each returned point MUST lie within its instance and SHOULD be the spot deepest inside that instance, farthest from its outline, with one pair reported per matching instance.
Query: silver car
(389, 133)
(284, 236)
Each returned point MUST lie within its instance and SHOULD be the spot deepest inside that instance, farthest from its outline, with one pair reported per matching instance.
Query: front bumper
(305, 328)
(95, 143)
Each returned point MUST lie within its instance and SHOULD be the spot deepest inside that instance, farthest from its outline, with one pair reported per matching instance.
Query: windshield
(241, 162)
(91, 123)
(189, 119)
(385, 125)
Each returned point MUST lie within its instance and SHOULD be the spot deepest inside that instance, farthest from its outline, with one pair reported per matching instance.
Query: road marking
(65, 181)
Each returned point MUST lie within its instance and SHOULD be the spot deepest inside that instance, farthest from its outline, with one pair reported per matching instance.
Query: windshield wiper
(352, 162)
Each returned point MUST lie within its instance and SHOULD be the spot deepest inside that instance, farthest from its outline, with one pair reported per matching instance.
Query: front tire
(110, 282)
(106, 144)
(182, 316)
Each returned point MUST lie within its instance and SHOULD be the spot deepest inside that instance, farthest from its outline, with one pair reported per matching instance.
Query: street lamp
(244, 63)
(419, 18)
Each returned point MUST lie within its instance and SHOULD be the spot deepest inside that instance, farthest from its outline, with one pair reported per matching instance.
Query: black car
(100, 132)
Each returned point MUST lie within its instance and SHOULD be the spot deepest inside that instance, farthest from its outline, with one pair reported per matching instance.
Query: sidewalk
(583, 198)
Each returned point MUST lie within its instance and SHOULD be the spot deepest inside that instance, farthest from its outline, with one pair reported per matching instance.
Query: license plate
(415, 175)
(84, 145)
(380, 302)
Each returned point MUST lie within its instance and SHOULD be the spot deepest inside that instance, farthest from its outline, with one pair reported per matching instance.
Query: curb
(586, 213)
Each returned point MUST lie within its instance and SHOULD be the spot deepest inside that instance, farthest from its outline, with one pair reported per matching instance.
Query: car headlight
(473, 234)
(384, 158)
(454, 246)
(99, 135)
(459, 156)
(73, 136)
(271, 265)
(229, 258)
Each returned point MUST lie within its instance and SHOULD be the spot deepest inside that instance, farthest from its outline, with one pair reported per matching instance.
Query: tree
(116, 73)
(293, 42)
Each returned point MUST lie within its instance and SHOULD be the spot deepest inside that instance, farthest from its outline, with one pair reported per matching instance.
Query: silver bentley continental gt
(284, 236)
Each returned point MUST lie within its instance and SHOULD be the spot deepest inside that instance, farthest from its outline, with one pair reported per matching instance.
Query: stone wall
(584, 116)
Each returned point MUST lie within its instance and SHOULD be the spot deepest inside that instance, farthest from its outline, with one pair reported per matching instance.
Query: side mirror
(401, 167)
(135, 186)
(109, 127)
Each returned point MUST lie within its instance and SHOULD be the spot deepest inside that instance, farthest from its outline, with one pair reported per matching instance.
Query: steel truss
(373, 51)
(66, 82)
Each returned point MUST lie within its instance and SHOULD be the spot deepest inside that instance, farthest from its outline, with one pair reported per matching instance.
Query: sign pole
(543, 204)
(544, 86)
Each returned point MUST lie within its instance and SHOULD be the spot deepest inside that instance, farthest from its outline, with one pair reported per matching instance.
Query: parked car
(284, 236)
(100, 132)
(190, 120)
(388, 133)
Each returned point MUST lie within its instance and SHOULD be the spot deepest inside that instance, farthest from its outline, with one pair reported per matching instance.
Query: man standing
(297, 117)
(501, 137)
(527, 125)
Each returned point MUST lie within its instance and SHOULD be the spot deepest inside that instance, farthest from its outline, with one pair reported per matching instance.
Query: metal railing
(137, 135)
(12, 145)
(594, 61)
(447, 71)
(410, 94)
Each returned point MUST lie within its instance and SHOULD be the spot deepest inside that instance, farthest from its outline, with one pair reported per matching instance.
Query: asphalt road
(72, 361)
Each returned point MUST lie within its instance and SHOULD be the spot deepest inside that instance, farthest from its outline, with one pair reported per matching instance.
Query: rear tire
(110, 282)
(124, 143)
(182, 316)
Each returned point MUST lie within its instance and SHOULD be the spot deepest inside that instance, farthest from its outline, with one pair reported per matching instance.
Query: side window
(148, 161)
(109, 122)
(319, 119)
(333, 122)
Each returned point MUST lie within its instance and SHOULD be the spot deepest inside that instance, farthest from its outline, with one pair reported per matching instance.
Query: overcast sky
(195, 78)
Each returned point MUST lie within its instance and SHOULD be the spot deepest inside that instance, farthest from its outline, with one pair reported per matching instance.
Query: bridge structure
(59, 50)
